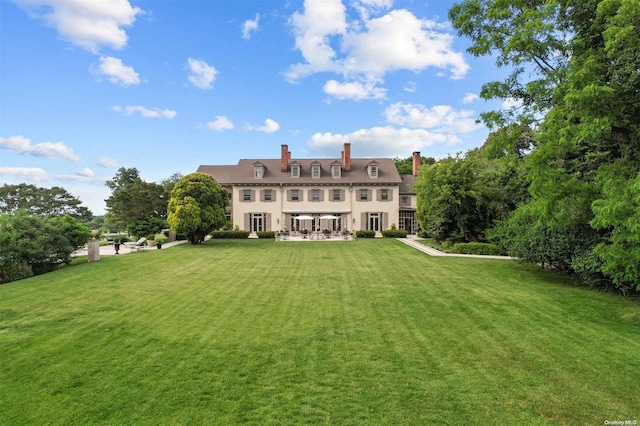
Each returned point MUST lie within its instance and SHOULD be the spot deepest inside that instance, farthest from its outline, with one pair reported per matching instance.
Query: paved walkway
(110, 250)
(411, 241)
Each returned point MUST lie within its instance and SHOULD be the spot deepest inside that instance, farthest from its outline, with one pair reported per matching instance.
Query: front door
(257, 222)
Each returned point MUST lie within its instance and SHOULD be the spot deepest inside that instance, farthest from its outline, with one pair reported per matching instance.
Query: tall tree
(197, 206)
(587, 90)
(133, 199)
(54, 201)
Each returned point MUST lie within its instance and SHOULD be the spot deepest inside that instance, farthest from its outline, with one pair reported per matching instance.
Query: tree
(197, 206)
(34, 245)
(55, 201)
(585, 96)
(133, 200)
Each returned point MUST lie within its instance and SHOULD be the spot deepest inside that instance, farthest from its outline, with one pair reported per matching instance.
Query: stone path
(410, 241)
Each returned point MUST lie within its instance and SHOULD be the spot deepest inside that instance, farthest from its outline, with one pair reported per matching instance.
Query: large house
(339, 194)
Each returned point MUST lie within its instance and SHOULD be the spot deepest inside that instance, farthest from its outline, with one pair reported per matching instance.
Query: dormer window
(295, 170)
(336, 170)
(258, 170)
(372, 169)
(315, 170)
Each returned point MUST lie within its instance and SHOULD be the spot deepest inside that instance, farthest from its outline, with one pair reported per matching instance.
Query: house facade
(338, 194)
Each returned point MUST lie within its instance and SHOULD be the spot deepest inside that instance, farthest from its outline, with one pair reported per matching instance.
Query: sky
(89, 86)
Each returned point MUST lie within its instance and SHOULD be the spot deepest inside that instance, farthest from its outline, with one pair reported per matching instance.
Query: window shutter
(321, 194)
(342, 195)
(247, 222)
(385, 221)
(288, 195)
(369, 195)
(268, 224)
(363, 221)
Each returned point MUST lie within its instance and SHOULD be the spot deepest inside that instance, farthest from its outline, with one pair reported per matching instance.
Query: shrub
(230, 234)
(160, 239)
(266, 234)
(394, 233)
(476, 248)
(14, 271)
(365, 234)
(423, 234)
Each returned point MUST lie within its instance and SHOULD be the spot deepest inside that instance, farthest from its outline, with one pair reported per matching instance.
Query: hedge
(266, 234)
(365, 234)
(394, 233)
(476, 248)
(230, 234)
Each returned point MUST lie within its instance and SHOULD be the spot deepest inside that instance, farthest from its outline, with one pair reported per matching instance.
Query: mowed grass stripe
(260, 332)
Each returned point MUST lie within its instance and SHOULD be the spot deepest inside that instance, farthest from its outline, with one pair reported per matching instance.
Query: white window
(373, 171)
(336, 170)
(315, 171)
(336, 195)
(315, 195)
(295, 195)
(364, 194)
(257, 172)
(267, 195)
(246, 194)
(295, 171)
(384, 195)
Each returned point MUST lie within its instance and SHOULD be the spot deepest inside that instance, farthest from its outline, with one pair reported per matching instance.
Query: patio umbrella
(329, 216)
(303, 217)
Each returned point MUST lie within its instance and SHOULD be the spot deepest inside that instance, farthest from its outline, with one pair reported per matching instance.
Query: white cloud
(52, 150)
(86, 175)
(410, 87)
(355, 90)
(470, 98)
(89, 24)
(117, 72)
(145, 112)
(440, 118)
(270, 126)
(250, 26)
(379, 141)
(31, 173)
(368, 48)
(220, 123)
(202, 74)
(107, 163)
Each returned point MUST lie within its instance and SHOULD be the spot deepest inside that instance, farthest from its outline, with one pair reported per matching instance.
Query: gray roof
(242, 173)
(407, 185)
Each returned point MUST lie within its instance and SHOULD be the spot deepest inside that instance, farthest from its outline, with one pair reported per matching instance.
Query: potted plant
(305, 231)
(160, 239)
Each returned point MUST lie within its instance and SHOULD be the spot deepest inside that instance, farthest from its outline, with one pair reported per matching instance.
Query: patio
(314, 236)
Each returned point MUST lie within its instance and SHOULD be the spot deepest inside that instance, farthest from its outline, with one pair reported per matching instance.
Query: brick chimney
(285, 155)
(346, 157)
(416, 163)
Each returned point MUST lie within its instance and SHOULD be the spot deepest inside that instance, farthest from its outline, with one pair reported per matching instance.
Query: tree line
(40, 228)
(558, 181)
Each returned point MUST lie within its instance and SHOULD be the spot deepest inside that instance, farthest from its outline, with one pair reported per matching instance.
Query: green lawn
(264, 332)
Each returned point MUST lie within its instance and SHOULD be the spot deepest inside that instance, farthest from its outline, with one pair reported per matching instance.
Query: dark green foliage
(476, 248)
(405, 165)
(14, 271)
(394, 233)
(53, 201)
(133, 199)
(583, 168)
(365, 234)
(230, 234)
(197, 206)
(145, 226)
(266, 234)
(41, 243)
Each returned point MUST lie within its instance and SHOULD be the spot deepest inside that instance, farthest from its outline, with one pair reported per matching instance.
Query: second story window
(336, 170)
(246, 194)
(315, 195)
(364, 195)
(384, 195)
(257, 172)
(404, 200)
(336, 195)
(373, 171)
(267, 195)
(295, 195)
(315, 171)
(295, 170)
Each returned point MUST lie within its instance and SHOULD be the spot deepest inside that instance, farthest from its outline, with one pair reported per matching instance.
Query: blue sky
(88, 86)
